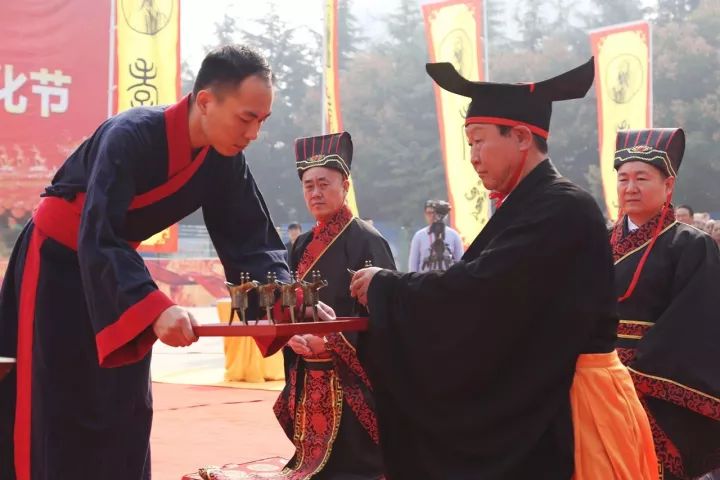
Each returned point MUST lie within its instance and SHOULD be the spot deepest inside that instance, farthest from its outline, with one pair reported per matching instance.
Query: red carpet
(196, 426)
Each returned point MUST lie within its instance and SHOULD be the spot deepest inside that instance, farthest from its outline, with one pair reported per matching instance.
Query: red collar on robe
(324, 234)
(621, 246)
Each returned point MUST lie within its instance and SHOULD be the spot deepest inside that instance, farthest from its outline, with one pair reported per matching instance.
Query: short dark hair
(229, 65)
(294, 226)
(688, 208)
(540, 142)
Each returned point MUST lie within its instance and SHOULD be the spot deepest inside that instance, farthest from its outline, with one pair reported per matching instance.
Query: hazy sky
(198, 18)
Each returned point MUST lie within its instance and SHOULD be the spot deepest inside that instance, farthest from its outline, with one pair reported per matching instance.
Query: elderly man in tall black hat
(504, 366)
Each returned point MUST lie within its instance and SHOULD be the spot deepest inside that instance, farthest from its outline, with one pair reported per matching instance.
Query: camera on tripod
(440, 209)
(440, 257)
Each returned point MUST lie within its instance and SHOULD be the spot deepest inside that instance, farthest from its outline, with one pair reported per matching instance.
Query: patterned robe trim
(315, 430)
(346, 352)
(623, 247)
(677, 394)
(633, 329)
(627, 355)
(324, 235)
(668, 455)
(284, 407)
(349, 369)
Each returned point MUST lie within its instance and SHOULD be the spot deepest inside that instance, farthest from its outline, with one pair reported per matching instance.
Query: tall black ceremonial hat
(332, 151)
(512, 104)
(662, 148)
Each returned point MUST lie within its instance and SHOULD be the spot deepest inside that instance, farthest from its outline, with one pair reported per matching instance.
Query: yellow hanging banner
(623, 85)
(147, 70)
(455, 34)
(331, 103)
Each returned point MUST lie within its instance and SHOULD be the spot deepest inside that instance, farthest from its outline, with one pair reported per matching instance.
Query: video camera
(439, 257)
(440, 208)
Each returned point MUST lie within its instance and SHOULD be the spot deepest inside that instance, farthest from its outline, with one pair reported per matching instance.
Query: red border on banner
(171, 246)
(178, 70)
(115, 94)
(595, 37)
(428, 9)
(335, 74)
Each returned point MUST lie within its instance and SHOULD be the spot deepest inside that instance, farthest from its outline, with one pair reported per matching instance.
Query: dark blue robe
(77, 303)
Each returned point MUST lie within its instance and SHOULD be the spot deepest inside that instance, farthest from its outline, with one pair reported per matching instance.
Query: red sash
(324, 234)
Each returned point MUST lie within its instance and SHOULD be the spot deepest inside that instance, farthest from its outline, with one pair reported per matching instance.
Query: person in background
(667, 275)
(294, 229)
(424, 239)
(716, 232)
(327, 407)
(699, 221)
(709, 226)
(684, 214)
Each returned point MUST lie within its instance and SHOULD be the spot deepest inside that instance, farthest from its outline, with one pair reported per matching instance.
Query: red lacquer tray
(342, 324)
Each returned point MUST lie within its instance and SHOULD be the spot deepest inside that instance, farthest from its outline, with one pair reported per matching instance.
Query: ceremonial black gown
(353, 455)
(669, 337)
(78, 299)
(472, 367)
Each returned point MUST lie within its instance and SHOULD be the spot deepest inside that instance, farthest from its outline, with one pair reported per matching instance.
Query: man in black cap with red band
(473, 367)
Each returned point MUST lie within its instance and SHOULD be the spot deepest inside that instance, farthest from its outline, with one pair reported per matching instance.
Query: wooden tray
(342, 324)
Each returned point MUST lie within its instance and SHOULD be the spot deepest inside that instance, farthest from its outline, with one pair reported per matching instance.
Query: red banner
(54, 58)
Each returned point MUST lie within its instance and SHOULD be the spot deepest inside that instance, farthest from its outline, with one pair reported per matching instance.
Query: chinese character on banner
(50, 87)
(7, 93)
(144, 92)
(47, 91)
(45, 61)
(148, 71)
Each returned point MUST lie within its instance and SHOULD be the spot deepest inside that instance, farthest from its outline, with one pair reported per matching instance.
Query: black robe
(77, 296)
(669, 337)
(353, 455)
(472, 367)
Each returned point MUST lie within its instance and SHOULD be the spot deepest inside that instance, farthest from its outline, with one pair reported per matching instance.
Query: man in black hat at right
(503, 366)
(667, 275)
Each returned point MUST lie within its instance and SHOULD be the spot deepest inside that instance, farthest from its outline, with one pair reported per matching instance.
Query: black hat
(331, 151)
(662, 148)
(512, 104)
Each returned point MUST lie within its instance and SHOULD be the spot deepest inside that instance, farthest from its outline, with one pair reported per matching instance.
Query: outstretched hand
(361, 282)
